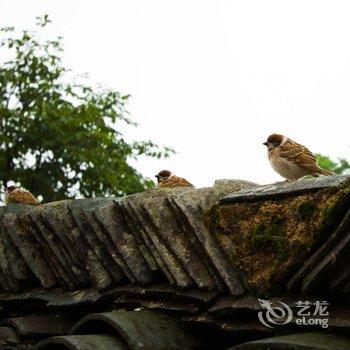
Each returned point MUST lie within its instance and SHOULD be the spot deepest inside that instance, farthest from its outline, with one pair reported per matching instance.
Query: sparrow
(292, 160)
(166, 179)
(14, 194)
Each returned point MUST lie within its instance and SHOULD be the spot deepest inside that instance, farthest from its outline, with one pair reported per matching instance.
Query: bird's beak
(266, 143)
(158, 177)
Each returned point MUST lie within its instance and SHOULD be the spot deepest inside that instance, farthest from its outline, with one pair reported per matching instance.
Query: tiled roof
(201, 256)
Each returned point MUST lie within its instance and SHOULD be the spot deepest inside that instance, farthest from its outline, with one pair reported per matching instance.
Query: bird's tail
(322, 171)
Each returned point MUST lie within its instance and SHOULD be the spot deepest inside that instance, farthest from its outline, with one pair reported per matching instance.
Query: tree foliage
(340, 166)
(60, 138)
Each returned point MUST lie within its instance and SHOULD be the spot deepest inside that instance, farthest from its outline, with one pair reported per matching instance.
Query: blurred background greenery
(339, 166)
(61, 138)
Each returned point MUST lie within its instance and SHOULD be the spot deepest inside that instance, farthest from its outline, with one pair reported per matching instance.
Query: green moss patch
(268, 240)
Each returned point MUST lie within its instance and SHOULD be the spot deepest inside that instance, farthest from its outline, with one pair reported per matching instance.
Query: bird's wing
(175, 181)
(300, 155)
(293, 151)
(20, 196)
(184, 182)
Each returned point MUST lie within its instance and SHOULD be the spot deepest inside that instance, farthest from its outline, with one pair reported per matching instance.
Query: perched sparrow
(167, 179)
(15, 194)
(292, 160)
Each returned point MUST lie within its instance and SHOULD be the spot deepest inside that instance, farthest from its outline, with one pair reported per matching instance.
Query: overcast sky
(213, 78)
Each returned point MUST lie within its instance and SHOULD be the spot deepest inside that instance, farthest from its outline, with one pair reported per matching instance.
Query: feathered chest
(285, 167)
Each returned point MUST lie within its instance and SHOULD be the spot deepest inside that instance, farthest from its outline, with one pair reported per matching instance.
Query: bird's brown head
(163, 175)
(11, 188)
(274, 140)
